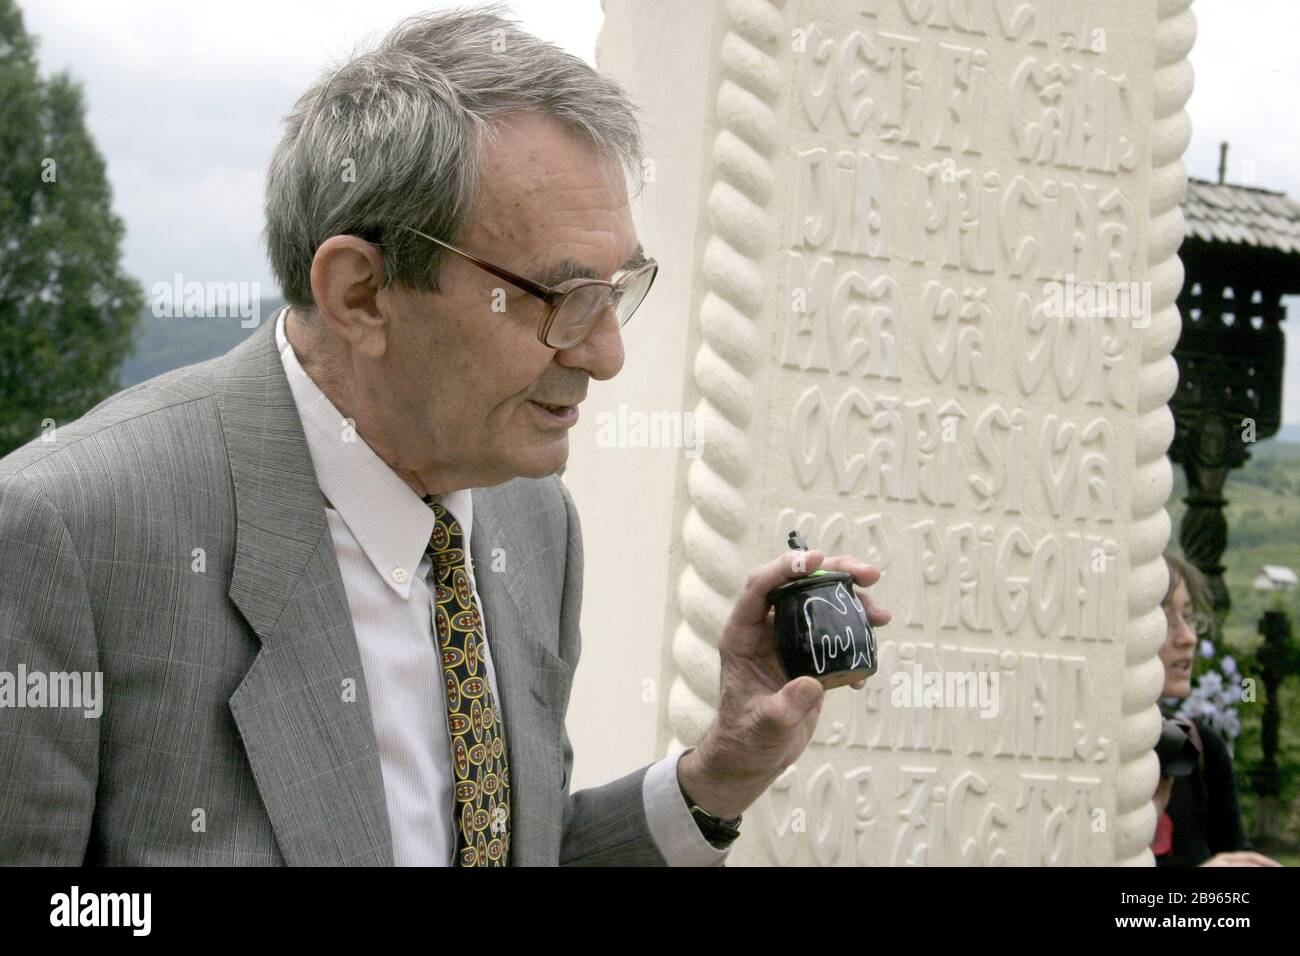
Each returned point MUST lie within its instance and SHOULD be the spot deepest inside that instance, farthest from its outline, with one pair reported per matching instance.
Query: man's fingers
(876, 614)
(1258, 859)
(865, 574)
(752, 607)
(1240, 858)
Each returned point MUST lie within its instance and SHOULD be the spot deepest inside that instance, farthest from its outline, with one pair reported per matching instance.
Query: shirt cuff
(674, 830)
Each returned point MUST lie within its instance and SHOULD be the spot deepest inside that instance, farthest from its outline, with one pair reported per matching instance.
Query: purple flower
(1215, 696)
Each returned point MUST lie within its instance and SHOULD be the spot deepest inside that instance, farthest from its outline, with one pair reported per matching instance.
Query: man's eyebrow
(568, 269)
(636, 259)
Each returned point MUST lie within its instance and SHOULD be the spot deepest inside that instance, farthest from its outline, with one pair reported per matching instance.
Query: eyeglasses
(575, 306)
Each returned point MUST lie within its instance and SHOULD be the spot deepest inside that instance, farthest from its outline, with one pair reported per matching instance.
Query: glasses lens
(632, 290)
(584, 306)
(577, 315)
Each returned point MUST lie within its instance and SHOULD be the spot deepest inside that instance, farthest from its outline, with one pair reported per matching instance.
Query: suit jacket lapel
(311, 741)
(533, 683)
(302, 709)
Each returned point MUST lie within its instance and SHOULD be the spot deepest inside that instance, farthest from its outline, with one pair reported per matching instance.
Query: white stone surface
(910, 174)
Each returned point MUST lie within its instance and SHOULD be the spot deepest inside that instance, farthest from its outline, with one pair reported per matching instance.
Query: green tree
(67, 310)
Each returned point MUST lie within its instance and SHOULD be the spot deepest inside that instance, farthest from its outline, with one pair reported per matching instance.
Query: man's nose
(600, 353)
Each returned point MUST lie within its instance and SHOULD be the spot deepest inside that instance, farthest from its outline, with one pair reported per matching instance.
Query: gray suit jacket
(223, 686)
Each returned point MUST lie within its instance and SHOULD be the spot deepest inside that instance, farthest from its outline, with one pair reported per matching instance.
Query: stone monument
(916, 301)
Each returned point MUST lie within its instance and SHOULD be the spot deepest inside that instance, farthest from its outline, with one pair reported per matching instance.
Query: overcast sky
(185, 100)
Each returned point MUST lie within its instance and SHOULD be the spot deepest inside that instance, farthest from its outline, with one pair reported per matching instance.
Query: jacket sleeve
(49, 755)
(1224, 830)
(603, 826)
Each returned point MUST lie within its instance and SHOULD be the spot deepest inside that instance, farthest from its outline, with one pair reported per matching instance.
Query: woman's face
(1179, 649)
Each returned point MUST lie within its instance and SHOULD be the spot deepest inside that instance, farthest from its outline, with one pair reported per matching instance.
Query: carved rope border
(1153, 476)
(728, 357)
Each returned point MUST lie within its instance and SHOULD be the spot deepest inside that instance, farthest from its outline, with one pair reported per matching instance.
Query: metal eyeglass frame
(554, 297)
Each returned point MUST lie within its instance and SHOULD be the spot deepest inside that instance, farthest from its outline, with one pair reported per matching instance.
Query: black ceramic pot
(822, 629)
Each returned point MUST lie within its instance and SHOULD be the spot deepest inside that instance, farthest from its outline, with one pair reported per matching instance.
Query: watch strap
(720, 833)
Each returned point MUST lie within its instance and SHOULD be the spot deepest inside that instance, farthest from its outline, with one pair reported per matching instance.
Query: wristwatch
(720, 833)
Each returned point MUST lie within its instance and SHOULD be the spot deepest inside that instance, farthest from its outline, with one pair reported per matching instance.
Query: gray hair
(396, 135)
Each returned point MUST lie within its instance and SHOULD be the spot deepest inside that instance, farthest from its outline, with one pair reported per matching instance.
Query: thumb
(795, 701)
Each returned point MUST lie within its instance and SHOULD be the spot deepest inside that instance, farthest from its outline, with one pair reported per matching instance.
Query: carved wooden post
(1230, 361)
(1209, 455)
(1278, 661)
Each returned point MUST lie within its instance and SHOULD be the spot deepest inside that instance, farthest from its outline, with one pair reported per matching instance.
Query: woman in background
(1199, 817)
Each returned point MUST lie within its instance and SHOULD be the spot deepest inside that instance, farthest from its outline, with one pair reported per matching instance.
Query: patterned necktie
(482, 776)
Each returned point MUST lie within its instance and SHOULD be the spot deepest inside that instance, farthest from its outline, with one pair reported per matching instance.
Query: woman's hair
(1182, 571)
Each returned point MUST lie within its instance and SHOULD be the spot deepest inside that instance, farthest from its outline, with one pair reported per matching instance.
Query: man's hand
(763, 722)
(1238, 858)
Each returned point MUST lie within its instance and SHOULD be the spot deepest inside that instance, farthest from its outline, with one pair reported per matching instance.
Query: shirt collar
(390, 522)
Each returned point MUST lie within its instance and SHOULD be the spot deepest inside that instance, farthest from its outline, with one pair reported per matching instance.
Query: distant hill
(1288, 434)
(162, 344)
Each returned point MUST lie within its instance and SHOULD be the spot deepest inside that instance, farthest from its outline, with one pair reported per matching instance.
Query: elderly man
(331, 579)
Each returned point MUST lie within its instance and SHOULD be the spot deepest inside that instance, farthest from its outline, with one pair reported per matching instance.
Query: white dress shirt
(380, 529)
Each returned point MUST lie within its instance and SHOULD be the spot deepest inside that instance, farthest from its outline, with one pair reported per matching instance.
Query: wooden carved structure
(1241, 255)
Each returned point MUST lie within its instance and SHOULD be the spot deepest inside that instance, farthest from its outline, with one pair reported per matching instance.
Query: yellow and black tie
(478, 749)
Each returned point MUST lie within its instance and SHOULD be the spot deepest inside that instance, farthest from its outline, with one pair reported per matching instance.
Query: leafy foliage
(67, 310)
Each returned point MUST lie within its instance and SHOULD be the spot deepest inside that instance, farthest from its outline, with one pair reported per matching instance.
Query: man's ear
(346, 274)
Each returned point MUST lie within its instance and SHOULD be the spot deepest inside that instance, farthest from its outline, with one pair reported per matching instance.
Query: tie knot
(447, 543)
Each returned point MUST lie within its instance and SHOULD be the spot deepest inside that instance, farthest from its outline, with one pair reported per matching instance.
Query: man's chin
(547, 458)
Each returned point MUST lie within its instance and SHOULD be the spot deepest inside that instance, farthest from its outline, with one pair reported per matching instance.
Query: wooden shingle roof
(1241, 215)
